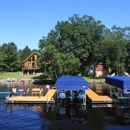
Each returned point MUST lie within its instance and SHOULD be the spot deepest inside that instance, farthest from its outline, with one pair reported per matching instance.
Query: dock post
(47, 99)
(85, 100)
(12, 99)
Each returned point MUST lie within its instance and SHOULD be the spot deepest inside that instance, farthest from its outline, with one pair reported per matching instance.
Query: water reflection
(59, 116)
(101, 89)
(49, 117)
(71, 111)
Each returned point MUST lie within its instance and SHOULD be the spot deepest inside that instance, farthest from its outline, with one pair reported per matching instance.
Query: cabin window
(33, 58)
(29, 64)
(128, 90)
(33, 65)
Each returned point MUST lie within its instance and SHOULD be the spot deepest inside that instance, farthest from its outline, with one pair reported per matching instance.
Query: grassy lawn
(16, 75)
(90, 78)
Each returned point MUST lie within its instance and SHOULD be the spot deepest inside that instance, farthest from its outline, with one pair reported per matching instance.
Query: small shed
(100, 70)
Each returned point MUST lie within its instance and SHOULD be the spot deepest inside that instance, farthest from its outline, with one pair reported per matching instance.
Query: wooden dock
(48, 98)
(95, 98)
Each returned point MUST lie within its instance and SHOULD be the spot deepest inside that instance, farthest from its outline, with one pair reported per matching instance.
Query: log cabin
(30, 65)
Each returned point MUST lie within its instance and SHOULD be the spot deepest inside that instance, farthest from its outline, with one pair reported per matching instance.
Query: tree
(115, 41)
(56, 64)
(11, 60)
(20, 59)
(25, 53)
(79, 35)
(127, 38)
(4, 54)
(2, 57)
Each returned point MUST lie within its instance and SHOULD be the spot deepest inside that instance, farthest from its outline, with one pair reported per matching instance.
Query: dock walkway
(33, 99)
(95, 98)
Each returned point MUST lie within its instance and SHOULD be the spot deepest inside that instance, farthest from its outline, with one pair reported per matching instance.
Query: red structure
(100, 70)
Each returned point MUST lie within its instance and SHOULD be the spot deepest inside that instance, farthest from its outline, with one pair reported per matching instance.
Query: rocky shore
(96, 81)
(32, 81)
(16, 81)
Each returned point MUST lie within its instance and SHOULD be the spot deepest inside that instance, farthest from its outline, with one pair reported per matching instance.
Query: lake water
(60, 117)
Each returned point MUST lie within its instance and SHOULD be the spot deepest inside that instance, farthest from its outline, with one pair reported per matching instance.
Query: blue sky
(25, 22)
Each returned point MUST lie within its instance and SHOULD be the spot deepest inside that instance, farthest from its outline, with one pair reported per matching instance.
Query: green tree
(2, 57)
(3, 52)
(116, 42)
(59, 63)
(127, 38)
(79, 35)
(11, 59)
(25, 53)
(20, 59)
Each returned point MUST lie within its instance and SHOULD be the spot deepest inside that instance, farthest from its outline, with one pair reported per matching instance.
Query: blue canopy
(71, 83)
(122, 82)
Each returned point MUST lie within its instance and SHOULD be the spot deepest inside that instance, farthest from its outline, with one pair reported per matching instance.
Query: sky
(25, 22)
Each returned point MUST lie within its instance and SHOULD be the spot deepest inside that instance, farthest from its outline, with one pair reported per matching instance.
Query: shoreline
(32, 80)
(3, 81)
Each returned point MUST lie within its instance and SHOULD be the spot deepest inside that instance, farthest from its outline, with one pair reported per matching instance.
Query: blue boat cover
(122, 82)
(71, 83)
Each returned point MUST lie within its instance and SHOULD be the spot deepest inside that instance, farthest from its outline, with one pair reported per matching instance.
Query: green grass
(17, 75)
(93, 78)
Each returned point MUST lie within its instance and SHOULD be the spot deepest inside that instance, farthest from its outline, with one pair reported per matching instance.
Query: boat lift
(121, 86)
(71, 88)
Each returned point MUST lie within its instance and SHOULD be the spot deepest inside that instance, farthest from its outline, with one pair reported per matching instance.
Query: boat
(75, 93)
(13, 80)
(62, 94)
(68, 94)
(81, 94)
(40, 81)
(72, 86)
(22, 80)
(8, 80)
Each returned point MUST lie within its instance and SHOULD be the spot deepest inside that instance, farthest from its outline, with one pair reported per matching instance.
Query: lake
(60, 117)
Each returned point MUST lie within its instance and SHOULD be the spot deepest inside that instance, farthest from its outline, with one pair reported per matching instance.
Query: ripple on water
(19, 118)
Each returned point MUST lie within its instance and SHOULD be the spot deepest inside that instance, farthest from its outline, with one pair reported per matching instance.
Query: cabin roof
(31, 56)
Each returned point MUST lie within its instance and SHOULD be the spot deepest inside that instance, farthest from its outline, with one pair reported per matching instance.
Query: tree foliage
(25, 53)
(2, 57)
(11, 59)
(56, 64)
(78, 37)
(116, 43)
(72, 45)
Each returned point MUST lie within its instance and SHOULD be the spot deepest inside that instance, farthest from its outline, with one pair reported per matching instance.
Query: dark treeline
(11, 59)
(73, 44)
